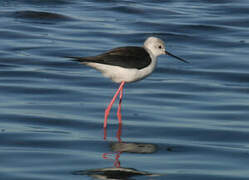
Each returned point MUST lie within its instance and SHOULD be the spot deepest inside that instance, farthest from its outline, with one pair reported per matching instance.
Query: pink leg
(107, 111)
(119, 106)
(119, 133)
(105, 133)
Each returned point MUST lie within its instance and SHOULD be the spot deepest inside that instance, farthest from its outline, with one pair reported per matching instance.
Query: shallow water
(185, 121)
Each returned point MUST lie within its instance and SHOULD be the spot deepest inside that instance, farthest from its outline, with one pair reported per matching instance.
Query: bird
(127, 64)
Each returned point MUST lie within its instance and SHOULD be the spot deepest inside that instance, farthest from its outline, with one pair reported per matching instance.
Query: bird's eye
(160, 47)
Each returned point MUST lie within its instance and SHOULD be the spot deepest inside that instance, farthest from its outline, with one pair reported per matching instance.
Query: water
(185, 121)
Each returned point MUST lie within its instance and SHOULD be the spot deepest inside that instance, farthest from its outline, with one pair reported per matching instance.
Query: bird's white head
(155, 45)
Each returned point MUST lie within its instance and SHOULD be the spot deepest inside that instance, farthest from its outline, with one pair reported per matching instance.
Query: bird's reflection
(116, 150)
(118, 172)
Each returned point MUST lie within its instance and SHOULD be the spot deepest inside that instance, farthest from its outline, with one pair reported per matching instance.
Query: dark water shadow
(40, 17)
(113, 173)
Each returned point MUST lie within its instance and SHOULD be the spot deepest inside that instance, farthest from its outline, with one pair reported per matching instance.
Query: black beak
(172, 55)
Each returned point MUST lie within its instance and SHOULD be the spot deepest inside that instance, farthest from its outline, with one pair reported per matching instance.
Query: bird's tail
(78, 59)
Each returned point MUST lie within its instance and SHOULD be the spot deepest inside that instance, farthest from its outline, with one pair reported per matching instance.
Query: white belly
(119, 74)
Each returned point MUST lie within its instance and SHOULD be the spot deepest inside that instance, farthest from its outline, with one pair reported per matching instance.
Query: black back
(127, 57)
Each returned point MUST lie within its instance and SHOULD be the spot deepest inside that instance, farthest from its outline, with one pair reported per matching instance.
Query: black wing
(127, 57)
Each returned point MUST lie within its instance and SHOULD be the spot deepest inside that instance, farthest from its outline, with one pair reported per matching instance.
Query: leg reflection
(116, 159)
(119, 133)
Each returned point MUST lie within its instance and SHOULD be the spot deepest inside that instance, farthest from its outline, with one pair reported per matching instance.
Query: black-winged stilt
(127, 64)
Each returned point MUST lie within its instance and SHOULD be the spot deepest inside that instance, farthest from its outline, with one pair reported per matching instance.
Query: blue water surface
(185, 121)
